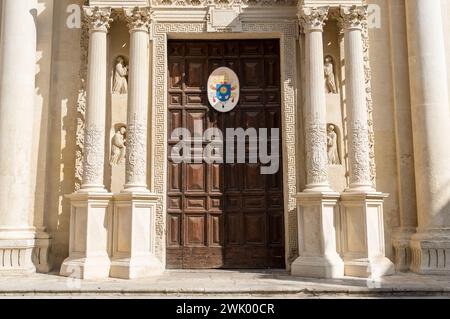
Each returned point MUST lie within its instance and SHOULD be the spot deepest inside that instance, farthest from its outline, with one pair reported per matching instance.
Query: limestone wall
(59, 152)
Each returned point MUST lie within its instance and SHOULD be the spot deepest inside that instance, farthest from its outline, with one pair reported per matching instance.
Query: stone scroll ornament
(223, 90)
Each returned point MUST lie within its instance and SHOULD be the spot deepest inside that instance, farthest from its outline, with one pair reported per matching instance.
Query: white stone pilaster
(317, 204)
(90, 213)
(17, 101)
(134, 209)
(431, 121)
(362, 205)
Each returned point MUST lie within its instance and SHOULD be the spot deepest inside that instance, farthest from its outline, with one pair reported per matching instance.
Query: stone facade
(364, 99)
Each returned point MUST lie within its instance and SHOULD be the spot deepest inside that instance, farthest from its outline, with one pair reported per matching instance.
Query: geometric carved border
(288, 33)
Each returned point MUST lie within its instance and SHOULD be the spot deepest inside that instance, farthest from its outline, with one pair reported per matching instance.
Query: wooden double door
(223, 215)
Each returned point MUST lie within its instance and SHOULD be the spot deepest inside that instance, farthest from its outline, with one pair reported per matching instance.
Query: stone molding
(288, 31)
(223, 3)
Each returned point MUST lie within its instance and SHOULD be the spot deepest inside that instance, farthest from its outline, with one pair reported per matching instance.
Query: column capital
(98, 19)
(354, 17)
(313, 18)
(138, 18)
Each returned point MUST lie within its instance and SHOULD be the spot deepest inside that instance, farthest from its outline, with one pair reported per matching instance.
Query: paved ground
(225, 284)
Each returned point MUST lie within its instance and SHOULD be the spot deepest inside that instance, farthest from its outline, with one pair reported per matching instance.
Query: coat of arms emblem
(223, 89)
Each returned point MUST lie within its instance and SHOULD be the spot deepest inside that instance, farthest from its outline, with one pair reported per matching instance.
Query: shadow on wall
(62, 114)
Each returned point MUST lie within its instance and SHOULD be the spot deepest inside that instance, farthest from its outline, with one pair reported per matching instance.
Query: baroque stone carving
(368, 79)
(354, 17)
(138, 18)
(330, 76)
(98, 19)
(360, 157)
(332, 144)
(316, 137)
(118, 146)
(93, 156)
(120, 85)
(184, 3)
(313, 19)
(136, 153)
(81, 106)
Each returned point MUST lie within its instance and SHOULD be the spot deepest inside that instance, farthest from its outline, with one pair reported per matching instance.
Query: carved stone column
(431, 121)
(135, 207)
(317, 204)
(362, 207)
(17, 96)
(90, 214)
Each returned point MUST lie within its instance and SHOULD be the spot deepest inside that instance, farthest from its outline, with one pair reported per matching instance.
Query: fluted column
(362, 206)
(353, 19)
(316, 206)
(94, 140)
(431, 122)
(17, 95)
(91, 206)
(135, 208)
(136, 160)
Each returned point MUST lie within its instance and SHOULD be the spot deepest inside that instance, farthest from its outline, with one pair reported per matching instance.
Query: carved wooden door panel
(223, 215)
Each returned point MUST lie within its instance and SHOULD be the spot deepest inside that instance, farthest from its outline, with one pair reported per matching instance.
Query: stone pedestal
(317, 222)
(134, 222)
(363, 235)
(16, 249)
(430, 252)
(401, 241)
(90, 222)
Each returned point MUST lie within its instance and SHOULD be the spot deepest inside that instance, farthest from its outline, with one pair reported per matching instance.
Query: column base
(363, 243)
(136, 267)
(430, 251)
(90, 221)
(317, 220)
(366, 268)
(41, 252)
(318, 267)
(16, 250)
(92, 267)
(401, 242)
(133, 242)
